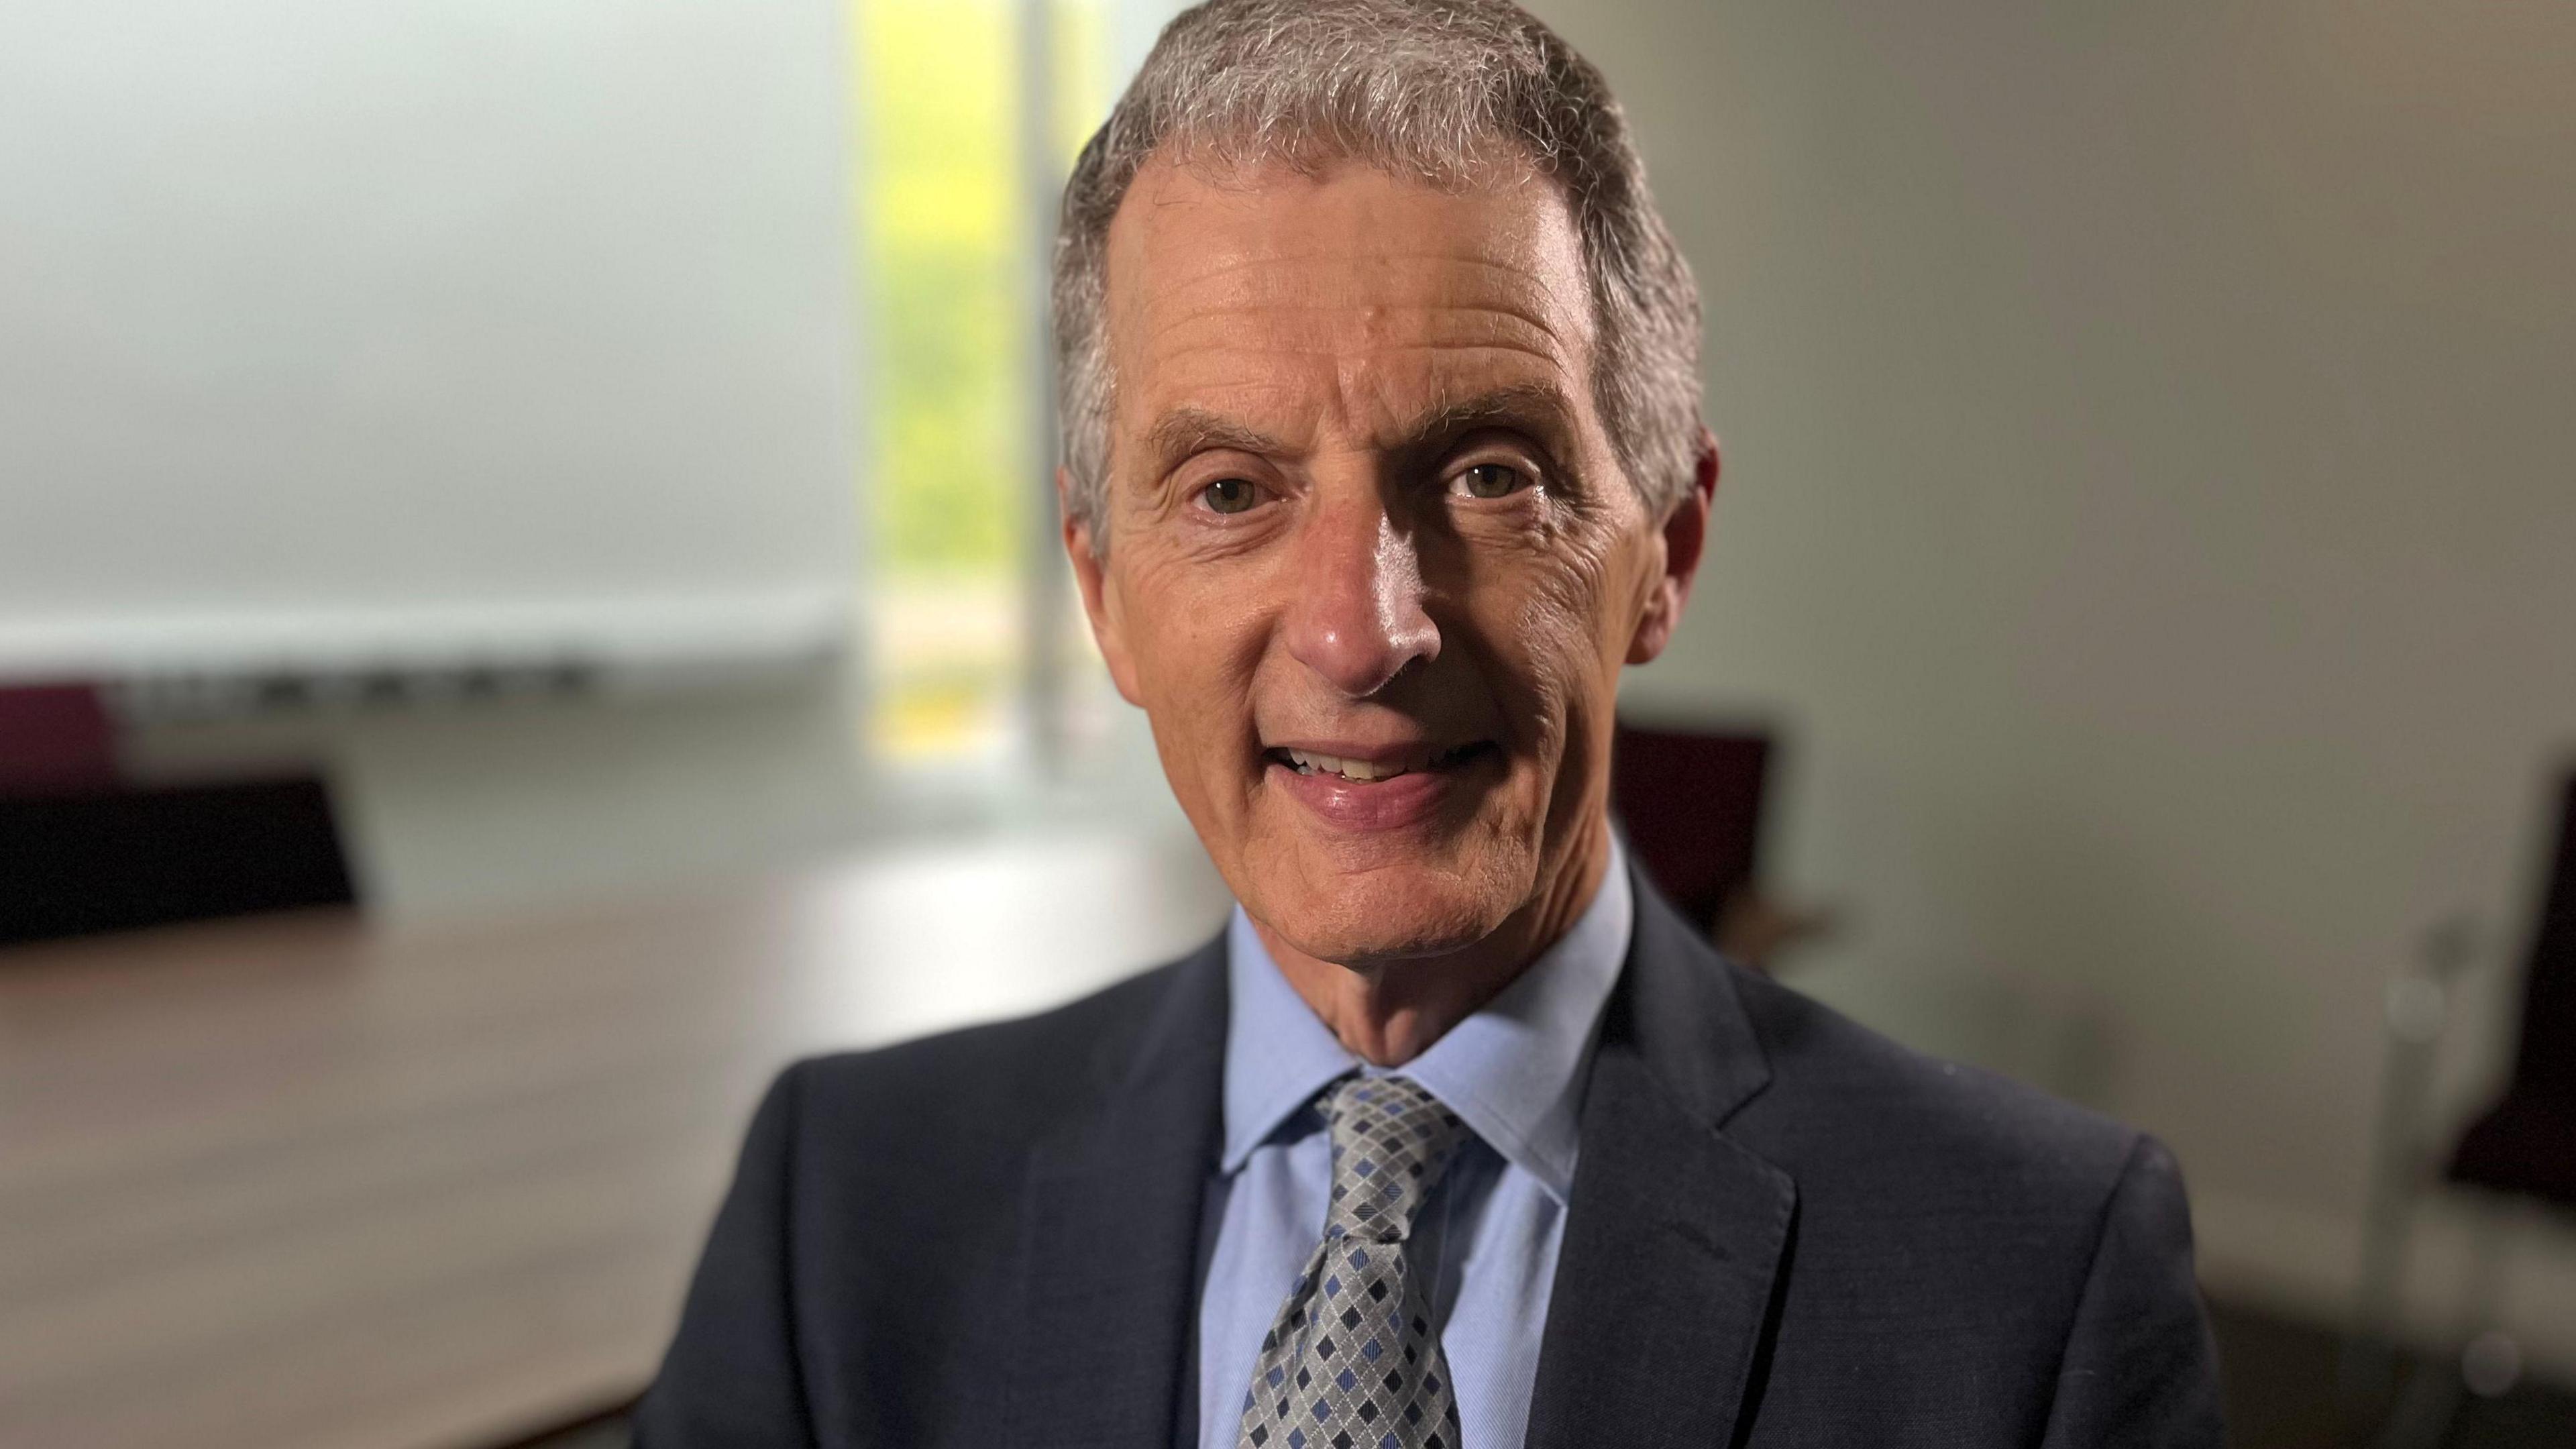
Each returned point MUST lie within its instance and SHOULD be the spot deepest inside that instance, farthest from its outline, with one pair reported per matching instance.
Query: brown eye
(1230, 495)
(1493, 480)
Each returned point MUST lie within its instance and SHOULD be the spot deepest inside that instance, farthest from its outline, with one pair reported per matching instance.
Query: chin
(1392, 912)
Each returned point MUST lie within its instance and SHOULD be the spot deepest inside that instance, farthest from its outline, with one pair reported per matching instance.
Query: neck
(1388, 1013)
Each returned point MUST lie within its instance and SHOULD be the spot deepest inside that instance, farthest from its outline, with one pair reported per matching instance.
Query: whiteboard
(352, 332)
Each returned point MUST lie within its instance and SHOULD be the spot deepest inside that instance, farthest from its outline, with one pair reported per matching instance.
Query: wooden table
(303, 1183)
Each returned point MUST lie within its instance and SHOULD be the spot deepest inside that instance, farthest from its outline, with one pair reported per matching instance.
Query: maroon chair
(53, 738)
(1691, 805)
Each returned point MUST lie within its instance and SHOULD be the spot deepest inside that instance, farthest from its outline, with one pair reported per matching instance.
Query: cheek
(1192, 644)
(1550, 626)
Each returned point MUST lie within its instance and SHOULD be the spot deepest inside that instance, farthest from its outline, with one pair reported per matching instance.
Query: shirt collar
(1512, 1071)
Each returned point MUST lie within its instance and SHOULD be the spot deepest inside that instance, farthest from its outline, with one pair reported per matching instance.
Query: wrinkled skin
(1359, 494)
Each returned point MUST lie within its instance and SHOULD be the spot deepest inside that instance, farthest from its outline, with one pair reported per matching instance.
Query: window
(972, 636)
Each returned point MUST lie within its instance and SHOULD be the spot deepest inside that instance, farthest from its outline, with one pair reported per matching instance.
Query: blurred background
(528, 598)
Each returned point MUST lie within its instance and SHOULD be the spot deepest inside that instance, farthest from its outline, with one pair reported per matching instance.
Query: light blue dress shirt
(1486, 1245)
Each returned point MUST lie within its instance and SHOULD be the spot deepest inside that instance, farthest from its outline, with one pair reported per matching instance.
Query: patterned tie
(1350, 1363)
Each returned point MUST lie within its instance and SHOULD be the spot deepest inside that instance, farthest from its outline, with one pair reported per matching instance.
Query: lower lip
(1406, 800)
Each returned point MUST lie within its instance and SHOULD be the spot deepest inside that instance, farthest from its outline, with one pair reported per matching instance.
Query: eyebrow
(1540, 404)
(1185, 432)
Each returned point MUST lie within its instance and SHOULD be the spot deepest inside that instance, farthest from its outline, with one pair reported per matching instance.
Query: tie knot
(1391, 1141)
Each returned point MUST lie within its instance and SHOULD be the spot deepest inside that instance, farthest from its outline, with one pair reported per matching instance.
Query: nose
(1357, 618)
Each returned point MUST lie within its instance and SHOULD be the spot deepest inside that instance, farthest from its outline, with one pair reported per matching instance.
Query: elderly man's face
(1372, 566)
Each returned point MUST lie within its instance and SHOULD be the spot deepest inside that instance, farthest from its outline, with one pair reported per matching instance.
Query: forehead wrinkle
(1175, 311)
(1347, 360)
(1449, 405)
(1359, 388)
(1469, 330)
(1254, 332)
(1268, 266)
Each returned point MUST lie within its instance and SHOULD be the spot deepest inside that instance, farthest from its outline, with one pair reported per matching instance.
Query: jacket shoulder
(1845, 1103)
(1999, 1256)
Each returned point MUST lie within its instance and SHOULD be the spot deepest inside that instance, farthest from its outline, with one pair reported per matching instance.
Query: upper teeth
(1347, 769)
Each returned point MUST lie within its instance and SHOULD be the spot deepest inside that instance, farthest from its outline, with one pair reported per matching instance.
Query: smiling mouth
(1367, 771)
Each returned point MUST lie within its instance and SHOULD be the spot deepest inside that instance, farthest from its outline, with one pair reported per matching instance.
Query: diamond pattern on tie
(1351, 1362)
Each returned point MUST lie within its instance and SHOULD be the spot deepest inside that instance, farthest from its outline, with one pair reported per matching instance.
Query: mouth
(1372, 768)
(1360, 790)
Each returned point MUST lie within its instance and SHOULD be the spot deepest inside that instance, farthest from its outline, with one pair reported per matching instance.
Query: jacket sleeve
(731, 1376)
(2139, 1367)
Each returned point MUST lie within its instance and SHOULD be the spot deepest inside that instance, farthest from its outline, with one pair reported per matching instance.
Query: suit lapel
(1676, 1236)
(1110, 1232)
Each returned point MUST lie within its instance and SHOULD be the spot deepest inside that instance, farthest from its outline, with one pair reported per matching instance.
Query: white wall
(2149, 507)
(454, 332)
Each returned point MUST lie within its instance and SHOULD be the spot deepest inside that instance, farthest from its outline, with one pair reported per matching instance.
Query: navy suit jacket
(1784, 1230)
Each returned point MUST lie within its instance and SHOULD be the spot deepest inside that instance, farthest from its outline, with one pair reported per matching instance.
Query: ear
(1685, 539)
(1098, 599)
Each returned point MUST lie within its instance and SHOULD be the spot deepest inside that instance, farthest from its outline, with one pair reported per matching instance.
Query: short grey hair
(1432, 89)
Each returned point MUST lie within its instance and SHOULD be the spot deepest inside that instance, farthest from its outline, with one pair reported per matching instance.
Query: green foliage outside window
(946, 255)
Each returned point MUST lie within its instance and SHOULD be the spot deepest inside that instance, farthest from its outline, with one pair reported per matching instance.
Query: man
(1384, 458)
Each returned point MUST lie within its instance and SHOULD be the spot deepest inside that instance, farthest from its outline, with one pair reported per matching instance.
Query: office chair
(2526, 1144)
(83, 851)
(1690, 806)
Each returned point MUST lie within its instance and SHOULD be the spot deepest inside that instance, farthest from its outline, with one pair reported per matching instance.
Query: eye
(1492, 480)
(1230, 495)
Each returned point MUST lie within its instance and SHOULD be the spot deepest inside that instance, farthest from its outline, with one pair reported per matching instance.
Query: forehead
(1338, 296)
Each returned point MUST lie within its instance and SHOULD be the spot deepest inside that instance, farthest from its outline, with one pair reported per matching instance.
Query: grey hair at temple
(1433, 89)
